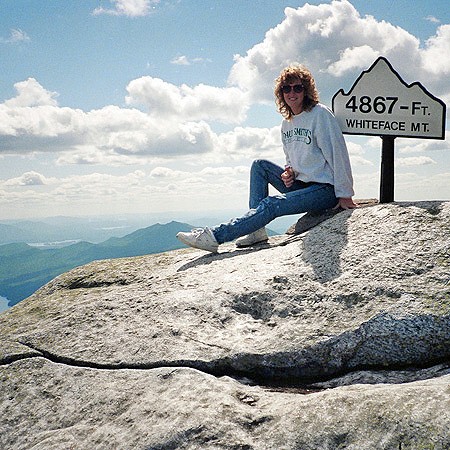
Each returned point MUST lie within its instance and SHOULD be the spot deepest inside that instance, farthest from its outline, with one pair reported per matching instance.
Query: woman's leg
(313, 198)
(262, 174)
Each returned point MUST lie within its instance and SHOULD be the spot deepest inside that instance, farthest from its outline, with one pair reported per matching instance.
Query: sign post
(381, 104)
(387, 170)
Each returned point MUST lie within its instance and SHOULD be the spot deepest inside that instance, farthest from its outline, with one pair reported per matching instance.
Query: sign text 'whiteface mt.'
(381, 103)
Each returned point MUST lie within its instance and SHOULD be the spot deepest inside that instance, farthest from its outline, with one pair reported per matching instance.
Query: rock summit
(337, 337)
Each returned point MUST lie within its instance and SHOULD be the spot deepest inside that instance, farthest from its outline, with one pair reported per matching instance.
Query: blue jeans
(299, 198)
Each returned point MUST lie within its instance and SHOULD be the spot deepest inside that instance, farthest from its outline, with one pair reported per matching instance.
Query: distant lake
(55, 244)
(3, 304)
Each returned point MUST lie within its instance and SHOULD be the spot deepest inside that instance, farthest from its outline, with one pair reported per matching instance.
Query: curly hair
(290, 75)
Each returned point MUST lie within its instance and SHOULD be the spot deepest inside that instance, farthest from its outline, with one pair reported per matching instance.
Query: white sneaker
(252, 238)
(202, 238)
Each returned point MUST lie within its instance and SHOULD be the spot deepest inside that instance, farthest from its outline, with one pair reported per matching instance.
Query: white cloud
(436, 58)
(162, 173)
(181, 61)
(202, 102)
(165, 172)
(129, 8)
(16, 36)
(413, 186)
(225, 171)
(356, 153)
(250, 143)
(208, 182)
(33, 122)
(353, 58)
(414, 161)
(70, 185)
(336, 43)
(27, 179)
(408, 146)
(98, 193)
(31, 93)
(332, 39)
(432, 19)
(91, 155)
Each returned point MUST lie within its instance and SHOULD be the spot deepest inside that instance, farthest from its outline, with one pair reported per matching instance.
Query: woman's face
(294, 94)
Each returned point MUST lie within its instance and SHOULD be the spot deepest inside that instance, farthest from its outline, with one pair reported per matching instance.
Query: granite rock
(337, 337)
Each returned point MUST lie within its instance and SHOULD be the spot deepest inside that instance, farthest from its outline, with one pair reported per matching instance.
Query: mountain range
(61, 230)
(25, 268)
(33, 252)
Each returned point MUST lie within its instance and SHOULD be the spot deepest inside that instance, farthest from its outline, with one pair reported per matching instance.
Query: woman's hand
(346, 203)
(288, 177)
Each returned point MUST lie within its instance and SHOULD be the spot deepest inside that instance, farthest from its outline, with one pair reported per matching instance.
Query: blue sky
(138, 106)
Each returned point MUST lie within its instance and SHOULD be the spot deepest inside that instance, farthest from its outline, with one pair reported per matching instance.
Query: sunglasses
(297, 88)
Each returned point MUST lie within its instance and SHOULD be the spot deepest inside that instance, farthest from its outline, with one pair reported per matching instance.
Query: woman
(317, 175)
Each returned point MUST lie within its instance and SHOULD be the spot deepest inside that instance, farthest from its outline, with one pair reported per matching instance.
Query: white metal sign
(381, 103)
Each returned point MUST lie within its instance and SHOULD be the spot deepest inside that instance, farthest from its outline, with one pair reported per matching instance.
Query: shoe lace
(197, 232)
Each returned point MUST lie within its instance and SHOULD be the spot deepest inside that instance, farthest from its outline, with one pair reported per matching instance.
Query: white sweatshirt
(315, 148)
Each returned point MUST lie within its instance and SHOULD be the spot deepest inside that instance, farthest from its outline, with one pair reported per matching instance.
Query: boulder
(337, 337)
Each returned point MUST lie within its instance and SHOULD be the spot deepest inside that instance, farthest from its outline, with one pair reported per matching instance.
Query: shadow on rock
(208, 258)
(322, 246)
